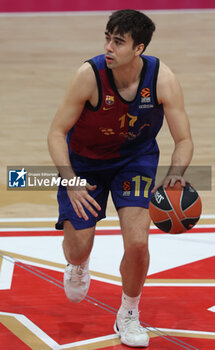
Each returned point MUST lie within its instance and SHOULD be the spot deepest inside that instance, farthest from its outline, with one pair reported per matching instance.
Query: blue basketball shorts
(129, 180)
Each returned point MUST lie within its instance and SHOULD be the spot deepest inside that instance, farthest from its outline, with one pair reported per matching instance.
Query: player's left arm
(169, 93)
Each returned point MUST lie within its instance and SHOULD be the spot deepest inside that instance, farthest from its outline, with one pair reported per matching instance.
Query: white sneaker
(76, 282)
(131, 332)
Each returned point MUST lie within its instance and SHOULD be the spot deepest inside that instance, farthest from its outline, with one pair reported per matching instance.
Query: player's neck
(127, 75)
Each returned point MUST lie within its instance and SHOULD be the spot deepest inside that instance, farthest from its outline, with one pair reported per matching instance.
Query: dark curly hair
(140, 26)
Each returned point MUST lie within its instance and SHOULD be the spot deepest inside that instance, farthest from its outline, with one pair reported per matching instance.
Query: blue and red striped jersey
(116, 127)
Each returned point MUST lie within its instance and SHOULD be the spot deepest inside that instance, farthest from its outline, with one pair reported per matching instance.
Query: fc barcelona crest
(109, 100)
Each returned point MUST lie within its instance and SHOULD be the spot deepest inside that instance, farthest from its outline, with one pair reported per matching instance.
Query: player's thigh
(135, 223)
(74, 237)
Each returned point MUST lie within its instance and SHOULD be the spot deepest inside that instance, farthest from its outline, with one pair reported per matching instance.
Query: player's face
(119, 49)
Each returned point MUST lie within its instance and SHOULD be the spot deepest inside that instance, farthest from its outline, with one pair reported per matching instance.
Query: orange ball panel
(194, 210)
(177, 226)
(174, 196)
(157, 214)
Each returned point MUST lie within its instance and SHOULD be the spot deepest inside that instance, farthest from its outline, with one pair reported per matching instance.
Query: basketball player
(105, 132)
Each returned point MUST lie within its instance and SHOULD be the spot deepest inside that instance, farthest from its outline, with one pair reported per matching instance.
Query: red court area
(96, 5)
(37, 293)
(43, 303)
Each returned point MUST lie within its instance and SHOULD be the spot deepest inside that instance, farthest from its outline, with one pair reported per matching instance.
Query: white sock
(85, 264)
(129, 305)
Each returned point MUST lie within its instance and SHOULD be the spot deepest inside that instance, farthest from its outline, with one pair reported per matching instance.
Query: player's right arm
(82, 88)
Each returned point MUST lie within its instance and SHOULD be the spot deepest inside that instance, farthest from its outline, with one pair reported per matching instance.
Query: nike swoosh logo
(107, 109)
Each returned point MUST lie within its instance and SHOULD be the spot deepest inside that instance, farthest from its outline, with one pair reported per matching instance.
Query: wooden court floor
(39, 55)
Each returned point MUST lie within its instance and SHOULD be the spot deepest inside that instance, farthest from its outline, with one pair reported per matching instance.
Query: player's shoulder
(90, 67)
(166, 77)
(165, 73)
(84, 81)
(85, 72)
(167, 83)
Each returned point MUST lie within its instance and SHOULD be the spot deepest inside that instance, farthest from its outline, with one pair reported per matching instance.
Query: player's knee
(137, 247)
(75, 258)
(75, 255)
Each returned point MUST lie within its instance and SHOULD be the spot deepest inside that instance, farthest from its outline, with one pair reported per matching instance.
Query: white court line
(6, 274)
(87, 341)
(184, 331)
(53, 219)
(212, 308)
(179, 331)
(26, 229)
(48, 219)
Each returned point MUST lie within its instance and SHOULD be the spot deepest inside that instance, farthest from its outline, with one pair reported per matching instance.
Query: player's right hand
(81, 200)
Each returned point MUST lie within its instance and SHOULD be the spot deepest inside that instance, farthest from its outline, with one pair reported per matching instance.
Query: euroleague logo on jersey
(126, 188)
(146, 95)
(145, 92)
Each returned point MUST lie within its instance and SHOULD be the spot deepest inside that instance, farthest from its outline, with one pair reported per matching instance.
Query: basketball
(175, 209)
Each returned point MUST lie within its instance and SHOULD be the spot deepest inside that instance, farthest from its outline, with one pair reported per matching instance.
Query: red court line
(97, 5)
(99, 232)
